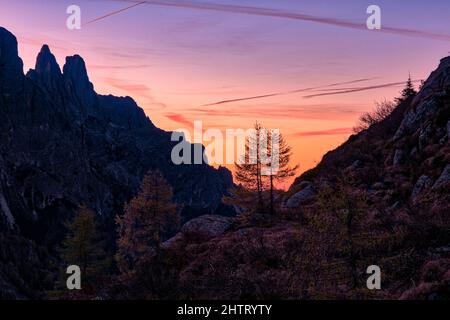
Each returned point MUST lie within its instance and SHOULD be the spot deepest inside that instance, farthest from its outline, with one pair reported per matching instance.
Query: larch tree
(248, 173)
(266, 160)
(279, 168)
(148, 220)
(83, 246)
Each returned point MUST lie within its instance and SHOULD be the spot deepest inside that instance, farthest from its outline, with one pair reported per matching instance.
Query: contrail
(275, 94)
(114, 13)
(380, 86)
(269, 12)
(329, 132)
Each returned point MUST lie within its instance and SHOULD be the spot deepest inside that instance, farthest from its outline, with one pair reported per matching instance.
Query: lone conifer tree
(408, 91)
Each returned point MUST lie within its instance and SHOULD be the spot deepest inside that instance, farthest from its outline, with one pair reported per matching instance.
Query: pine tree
(408, 91)
(148, 220)
(83, 246)
(279, 168)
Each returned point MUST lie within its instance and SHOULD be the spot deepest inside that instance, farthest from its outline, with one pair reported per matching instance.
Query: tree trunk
(272, 209)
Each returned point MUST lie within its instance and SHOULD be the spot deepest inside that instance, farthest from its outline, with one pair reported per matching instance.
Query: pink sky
(177, 62)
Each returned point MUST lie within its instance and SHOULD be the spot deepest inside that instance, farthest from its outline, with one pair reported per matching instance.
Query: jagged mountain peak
(101, 143)
(75, 69)
(11, 66)
(8, 46)
(63, 145)
(46, 62)
(76, 77)
(45, 48)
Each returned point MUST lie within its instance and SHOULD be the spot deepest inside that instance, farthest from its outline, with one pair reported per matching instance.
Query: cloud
(328, 132)
(117, 67)
(313, 111)
(137, 90)
(351, 90)
(284, 93)
(178, 118)
(242, 99)
(277, 13)
(141, 90)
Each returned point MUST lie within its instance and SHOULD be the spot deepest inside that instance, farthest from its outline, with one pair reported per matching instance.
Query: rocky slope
(402, 166)
(394, 179)
(402, 159)
(63, 145)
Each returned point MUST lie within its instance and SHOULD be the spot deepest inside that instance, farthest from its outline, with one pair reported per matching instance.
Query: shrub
(382, 111)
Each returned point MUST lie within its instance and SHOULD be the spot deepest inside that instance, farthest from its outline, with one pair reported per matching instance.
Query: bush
(382, 111)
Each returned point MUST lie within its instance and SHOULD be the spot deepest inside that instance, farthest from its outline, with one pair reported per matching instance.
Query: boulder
(302, 197)
(444, 178)
(414, 116)
(422, 183)
(206, 226)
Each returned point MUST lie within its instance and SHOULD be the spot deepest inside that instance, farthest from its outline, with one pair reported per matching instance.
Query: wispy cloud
(140, 89)
(137, 90)
(275, 94)
(352, 90)
(312, 112)
(119, 67)
(328, 132)
(178, 118)
(277, 13)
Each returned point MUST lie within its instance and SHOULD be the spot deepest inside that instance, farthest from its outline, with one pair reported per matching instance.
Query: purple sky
(177, 61)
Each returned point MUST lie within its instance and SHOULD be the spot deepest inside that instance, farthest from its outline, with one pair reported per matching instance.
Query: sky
(312, 65)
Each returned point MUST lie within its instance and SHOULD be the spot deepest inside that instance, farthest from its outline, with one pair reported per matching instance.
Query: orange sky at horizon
(180, 61)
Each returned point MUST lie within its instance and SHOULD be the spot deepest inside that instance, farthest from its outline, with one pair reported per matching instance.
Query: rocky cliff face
(63, 145)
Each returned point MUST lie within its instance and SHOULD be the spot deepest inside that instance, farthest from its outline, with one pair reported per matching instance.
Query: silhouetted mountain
(382, 198)
(63, 145)
(400, 151)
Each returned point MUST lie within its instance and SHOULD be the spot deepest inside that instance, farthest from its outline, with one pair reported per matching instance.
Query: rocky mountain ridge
(63, 145)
